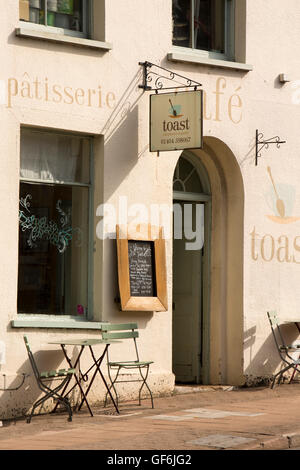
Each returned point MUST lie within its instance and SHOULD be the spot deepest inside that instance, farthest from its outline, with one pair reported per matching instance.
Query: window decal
(42, 229)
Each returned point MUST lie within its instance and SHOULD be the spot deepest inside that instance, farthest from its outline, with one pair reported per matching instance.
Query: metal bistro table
(84, 376)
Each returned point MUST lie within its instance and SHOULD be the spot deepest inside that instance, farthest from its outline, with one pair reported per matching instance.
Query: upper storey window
(69, 15)
(205, 25)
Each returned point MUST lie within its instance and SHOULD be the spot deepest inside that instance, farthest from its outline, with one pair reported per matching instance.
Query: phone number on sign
(178, 140)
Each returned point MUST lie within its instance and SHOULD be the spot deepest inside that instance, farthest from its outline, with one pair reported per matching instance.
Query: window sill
(196, 59)
(47, 321)
(26, 32)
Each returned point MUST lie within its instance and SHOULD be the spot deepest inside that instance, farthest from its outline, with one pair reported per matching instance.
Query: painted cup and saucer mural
(281, 201)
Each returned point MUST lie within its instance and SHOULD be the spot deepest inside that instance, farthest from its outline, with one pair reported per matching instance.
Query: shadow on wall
(16, 401)
(266, 361)
(121, 137)
(121, 153)
(121, 150)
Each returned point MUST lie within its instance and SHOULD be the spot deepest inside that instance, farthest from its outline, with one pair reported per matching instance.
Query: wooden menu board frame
(159, 303)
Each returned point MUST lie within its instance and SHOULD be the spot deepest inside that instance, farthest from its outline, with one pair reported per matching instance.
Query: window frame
(91, 187)
(229, 36)
(86, 22)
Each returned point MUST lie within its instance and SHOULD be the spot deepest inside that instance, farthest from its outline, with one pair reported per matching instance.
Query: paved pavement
(206, 418)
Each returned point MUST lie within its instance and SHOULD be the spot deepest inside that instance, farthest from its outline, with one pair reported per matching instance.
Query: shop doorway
(191, 203)
(208, 331)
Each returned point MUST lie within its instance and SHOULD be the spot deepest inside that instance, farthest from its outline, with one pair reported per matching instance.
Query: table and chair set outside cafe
(59, 384)
(137, 289)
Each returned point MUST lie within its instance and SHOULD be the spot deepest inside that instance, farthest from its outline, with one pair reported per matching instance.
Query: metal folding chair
(43, 381)
(283, 350)
(125, 331)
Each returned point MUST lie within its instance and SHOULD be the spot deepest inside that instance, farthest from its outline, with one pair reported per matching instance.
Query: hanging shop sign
(176, 121)
(142, 268)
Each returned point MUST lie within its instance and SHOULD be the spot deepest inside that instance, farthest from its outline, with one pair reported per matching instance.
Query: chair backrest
(121, 331)
(31, 358)
(27, 344)
(273, 319)
(275, 327)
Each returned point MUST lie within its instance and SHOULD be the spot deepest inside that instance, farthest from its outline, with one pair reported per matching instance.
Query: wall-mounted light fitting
(284, 78)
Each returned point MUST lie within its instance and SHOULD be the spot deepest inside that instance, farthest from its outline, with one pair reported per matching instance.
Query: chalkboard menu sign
(142, 268)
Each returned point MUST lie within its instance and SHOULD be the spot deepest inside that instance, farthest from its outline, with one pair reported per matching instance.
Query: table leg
(94, 375)
(97, 363)
(84, 399)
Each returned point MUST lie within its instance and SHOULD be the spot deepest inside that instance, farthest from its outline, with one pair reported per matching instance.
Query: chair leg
(65, 402)
(61, 399)
(280, 379)
(293, 374)
(273, 382)
(112, 387)
(116, 395)
(52, 393)
(145, 383)
(280, 374)
(114, 380)
(35, 405)
(106, 398)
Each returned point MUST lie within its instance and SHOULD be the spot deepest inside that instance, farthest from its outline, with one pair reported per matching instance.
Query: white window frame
(86, 22)
(90, 187)
(229, 53)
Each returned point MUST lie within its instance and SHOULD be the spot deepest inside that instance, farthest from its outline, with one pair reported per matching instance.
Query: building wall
(69, 88)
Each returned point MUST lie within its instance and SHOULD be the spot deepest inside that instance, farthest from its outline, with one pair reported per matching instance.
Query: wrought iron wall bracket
(260, 143)
(157, 78)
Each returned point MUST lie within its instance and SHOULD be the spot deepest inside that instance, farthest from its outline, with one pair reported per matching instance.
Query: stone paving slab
(222, 441)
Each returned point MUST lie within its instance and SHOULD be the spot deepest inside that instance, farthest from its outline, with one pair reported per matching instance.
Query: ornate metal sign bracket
(155, 77)
(260, 143)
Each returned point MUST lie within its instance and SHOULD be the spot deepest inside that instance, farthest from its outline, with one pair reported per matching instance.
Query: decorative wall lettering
(224, 102)
(43, 90)
(217, 108)
(283, 248)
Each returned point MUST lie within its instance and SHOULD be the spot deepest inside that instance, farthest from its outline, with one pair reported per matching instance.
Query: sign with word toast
(176, 121)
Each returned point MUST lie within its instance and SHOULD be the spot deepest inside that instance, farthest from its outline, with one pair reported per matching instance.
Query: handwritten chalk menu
(141, 256)
(142, 274)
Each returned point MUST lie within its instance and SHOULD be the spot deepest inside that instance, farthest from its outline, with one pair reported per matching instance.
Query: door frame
(223, 339)
(205, 283)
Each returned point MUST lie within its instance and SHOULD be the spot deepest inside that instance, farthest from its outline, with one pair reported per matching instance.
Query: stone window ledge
(26, 32)
(47, 321)
(199, 60)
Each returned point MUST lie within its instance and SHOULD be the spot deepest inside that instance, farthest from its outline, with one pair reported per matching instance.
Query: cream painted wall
(117, 113)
